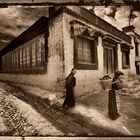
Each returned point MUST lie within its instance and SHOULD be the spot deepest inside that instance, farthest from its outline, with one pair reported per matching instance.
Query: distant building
(46, 52)
(130, 30)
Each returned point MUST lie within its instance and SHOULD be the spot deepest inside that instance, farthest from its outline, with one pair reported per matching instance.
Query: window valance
(111, 38)
(126, 46)
(79, 29)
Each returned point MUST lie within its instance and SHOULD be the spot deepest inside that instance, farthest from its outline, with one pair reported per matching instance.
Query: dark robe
(118, 85)
(70, 84)
(112, 104)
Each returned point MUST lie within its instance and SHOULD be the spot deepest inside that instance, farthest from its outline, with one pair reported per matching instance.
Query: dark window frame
(136, 49)
(80, 66)
(125, 51)
(38, 69)
(111, 44)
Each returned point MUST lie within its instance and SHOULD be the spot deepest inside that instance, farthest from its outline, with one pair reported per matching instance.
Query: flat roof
(90, 17)
(39, 27)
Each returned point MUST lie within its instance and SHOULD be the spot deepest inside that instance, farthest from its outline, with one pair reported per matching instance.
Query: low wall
(82, 86)
(88, 86)
(34, 80)
(85, 83)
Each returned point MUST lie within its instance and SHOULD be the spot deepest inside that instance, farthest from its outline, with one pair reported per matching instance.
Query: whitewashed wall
(88, 80)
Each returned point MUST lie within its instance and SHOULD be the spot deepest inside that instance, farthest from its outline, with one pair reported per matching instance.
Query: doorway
(110, 58)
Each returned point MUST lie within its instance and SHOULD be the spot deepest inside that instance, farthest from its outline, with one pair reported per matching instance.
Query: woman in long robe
(114, 99)
(70, 89)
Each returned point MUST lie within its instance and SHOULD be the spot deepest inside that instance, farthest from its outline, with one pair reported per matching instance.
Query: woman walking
(114, 99)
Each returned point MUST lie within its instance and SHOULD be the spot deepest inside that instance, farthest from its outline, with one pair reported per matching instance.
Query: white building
(72, 36)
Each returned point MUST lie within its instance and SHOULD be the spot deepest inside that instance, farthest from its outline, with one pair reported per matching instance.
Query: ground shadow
(61, 119)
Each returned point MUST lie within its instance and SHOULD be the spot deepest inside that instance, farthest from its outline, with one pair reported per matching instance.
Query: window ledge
(126, 67)
(86, 66)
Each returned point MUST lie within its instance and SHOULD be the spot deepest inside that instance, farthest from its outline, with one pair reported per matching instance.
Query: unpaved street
(18, 123)
(21, 119)
(29, 115)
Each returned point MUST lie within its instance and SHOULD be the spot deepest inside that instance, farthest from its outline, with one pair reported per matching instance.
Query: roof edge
(76, 12)
(28, 31)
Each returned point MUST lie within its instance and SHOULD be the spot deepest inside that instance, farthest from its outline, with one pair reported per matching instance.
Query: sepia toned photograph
(69, 69)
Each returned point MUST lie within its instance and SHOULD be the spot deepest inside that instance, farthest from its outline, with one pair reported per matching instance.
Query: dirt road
(58, 122)
(16, 122)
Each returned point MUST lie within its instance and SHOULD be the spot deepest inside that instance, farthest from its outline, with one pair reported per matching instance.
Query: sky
(15, 20)
(118, 16)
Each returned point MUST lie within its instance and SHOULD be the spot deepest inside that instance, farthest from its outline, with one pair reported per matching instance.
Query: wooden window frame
(136, 49)
(43, 50)
(39, 53)
(124, 51)
(28, 55)
(106, 48)
(13, 58)
(33, 48)
(111, 44)
(21, 58)
(3, 64)
(77, 65)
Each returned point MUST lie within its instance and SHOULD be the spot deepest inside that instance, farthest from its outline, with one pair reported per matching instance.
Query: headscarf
(118, 73)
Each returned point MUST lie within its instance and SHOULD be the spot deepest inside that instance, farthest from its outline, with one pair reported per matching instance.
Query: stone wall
(55, 58)
(55, 45)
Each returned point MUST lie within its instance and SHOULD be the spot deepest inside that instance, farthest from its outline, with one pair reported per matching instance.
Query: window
(16, 60)
(125, 59)
(34, 54)
(85, 53)
(3, 64)
(20, 56)
(136, 49)
(42, 40)
(24, 57)
(12, 61)
(29, 57)
(38, 52)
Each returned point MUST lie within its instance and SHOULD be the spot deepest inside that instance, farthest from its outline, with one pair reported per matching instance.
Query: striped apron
(118, 103)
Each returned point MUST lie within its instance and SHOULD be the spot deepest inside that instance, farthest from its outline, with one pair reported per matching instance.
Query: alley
(25, 110)
(25, 114)
(21, 118)
(49, 52)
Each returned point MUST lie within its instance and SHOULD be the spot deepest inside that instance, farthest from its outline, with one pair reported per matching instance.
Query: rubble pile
(17, 124)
